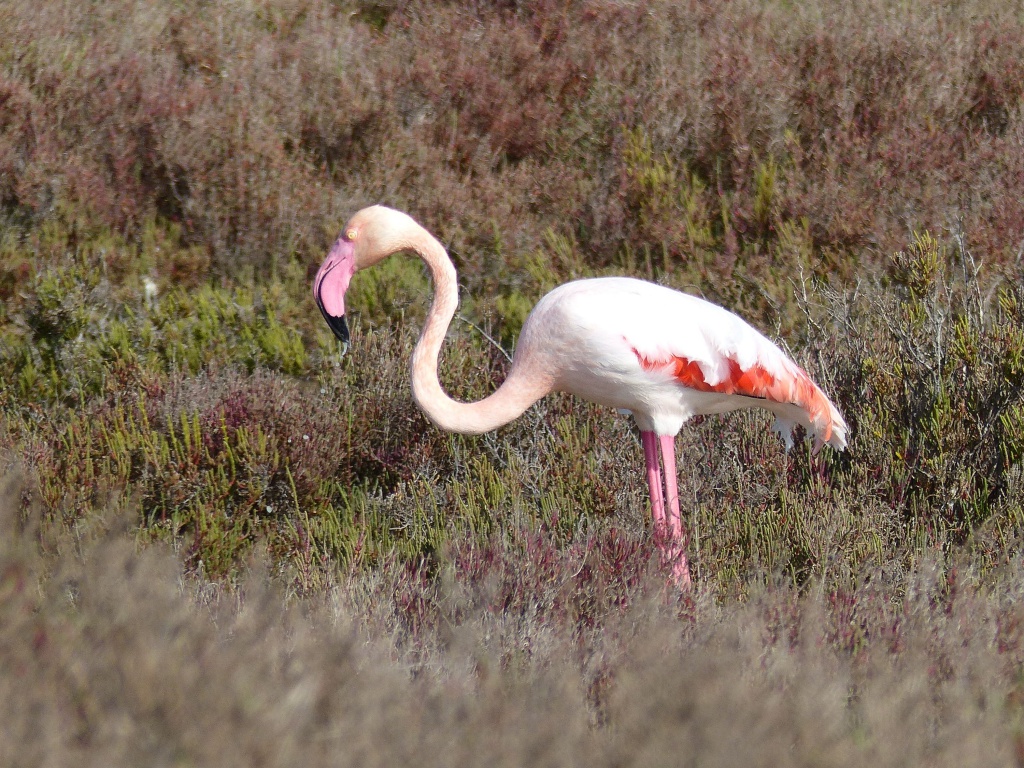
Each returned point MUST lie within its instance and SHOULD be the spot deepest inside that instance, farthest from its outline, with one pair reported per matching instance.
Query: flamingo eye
(350, 234)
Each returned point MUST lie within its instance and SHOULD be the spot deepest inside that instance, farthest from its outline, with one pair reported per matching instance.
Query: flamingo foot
(673, 557)
(681, 571)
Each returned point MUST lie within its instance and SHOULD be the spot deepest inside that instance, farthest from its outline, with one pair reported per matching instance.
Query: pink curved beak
(330, 285)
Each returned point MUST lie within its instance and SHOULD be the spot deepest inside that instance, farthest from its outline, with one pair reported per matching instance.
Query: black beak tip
(337, 325)
(340, 328)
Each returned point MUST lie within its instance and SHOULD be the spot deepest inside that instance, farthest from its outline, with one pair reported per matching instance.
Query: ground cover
(227, 543)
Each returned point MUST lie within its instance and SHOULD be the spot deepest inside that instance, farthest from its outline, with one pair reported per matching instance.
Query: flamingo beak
(330, 285)
(337, 325)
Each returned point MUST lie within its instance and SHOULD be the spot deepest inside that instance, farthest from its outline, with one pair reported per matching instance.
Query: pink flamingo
(630, 344)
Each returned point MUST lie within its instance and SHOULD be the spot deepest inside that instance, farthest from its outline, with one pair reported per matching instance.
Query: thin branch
(484, 333)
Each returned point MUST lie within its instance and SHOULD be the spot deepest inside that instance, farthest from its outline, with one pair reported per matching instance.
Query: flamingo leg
(675, 547)
(650, 443)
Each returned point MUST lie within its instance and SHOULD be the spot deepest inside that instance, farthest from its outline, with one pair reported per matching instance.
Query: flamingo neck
(515, 395)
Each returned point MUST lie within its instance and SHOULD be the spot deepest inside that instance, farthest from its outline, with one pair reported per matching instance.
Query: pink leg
(650, 443)
(676, 546)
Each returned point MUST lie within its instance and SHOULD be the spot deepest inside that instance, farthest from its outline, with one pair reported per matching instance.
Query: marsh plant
(226, 543)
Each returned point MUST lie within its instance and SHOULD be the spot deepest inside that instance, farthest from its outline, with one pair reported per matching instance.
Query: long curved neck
(519, 391)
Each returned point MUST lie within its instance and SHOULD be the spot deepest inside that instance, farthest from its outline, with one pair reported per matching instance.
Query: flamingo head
(371, 235)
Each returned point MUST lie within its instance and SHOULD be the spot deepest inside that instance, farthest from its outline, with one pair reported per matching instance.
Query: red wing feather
(793, 386)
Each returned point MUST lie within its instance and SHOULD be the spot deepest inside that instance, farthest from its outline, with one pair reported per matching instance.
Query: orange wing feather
(755, 381)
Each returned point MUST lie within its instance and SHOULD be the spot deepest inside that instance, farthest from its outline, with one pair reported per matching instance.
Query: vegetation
(225, 543)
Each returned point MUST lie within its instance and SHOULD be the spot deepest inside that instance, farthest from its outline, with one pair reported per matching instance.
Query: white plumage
(596, 332)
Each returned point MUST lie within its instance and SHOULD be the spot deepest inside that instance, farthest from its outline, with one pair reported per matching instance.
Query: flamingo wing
(679, 356)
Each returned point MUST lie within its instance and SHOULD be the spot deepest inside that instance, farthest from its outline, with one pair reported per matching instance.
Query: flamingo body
(666, 356)
(662, 355)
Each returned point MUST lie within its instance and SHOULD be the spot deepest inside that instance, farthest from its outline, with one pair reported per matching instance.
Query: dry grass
(260, 126)
(111, 656)
(227, 545)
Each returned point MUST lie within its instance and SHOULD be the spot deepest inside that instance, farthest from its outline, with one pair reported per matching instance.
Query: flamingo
(662, 355)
